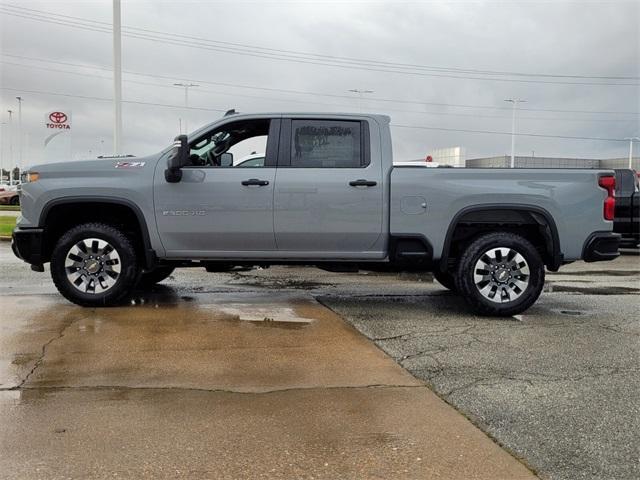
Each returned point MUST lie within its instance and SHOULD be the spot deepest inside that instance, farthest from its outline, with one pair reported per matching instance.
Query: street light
(19, 134)
(631, 139)
(186, 87)
(360, 96)
(10, 112)
(515, 103)
(2, 128)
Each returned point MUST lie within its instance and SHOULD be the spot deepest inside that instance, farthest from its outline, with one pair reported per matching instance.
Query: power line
(204, 44)
(394, 125)
(105, 99)
(299, 92)
(509, 133)
(307, 102)
(308, 54)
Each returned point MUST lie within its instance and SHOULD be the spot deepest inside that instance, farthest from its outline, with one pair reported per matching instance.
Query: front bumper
(601, 246)
(27, 244)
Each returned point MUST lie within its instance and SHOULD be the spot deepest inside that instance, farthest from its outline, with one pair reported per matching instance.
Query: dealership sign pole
(56, 122)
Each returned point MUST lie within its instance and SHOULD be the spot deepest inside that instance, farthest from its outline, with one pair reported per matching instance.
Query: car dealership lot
(246, 374)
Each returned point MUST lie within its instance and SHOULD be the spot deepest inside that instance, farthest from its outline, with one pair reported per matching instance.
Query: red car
(9, 195)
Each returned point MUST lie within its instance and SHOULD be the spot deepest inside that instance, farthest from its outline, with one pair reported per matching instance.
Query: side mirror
(177, 159)
(226, 159)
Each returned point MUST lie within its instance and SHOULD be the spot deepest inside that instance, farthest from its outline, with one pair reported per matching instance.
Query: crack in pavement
(209, 390)
(43, 352)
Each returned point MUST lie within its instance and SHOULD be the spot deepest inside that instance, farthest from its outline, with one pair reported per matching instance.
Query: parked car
(9, 195)
(626, 220)
(328, 195)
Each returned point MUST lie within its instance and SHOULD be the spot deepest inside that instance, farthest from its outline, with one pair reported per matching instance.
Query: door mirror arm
(177, 159)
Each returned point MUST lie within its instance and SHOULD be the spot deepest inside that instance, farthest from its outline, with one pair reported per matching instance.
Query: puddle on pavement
(272, 316)
(605, 290)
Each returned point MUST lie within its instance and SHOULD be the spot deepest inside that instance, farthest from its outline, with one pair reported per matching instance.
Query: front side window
(325, 144)
(231, 145)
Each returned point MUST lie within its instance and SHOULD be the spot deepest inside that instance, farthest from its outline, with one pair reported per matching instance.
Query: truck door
(329, 194)
(223, 204)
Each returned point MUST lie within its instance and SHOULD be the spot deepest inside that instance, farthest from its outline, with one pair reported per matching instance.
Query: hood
(98, 166)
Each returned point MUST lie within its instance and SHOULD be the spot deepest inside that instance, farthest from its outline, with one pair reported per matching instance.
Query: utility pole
(19, 163)
(10, 146)
(186, 87)
(515, 103)
(360, 96)
(117, 78)
(2, 131)
(631, 140)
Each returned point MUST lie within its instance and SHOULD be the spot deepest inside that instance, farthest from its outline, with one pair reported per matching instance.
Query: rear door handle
(255, 181)
(362, 183)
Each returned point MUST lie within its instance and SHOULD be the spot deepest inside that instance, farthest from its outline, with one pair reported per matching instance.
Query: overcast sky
(445, 56)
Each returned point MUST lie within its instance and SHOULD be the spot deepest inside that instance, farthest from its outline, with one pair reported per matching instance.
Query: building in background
(551, 162)
(454, 156)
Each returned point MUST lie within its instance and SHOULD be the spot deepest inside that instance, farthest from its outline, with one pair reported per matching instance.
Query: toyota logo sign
(58, 117)
(58, 120)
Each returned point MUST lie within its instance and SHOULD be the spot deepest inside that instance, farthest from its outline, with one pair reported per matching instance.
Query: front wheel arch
(60, 215)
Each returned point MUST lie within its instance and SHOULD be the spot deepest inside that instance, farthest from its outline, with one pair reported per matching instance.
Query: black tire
(126, 279)
(14, 200)
(503, 270)
(158, 274)
(446, 279)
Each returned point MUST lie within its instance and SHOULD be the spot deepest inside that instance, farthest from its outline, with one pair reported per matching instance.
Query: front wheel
(500, 274)
(94, 265)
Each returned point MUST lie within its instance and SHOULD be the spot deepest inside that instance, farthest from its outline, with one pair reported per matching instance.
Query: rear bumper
(601, 246)
(27, 245)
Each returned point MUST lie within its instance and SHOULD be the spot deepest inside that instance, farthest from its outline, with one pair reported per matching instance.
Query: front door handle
(362, 183)
(255, 181)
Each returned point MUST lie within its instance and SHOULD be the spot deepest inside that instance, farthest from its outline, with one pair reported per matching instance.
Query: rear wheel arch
(60, 215)
(476, 220)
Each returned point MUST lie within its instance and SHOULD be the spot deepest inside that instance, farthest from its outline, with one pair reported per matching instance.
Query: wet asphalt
(256, 374)
(216, 376)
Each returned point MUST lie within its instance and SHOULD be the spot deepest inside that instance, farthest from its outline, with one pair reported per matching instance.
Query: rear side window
(326, 144)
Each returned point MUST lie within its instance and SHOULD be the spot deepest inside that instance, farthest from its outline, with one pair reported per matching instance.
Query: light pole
(19, 134)
(10, 112)
(117, 79)
(186, 87)
(2, 131)
(631, 140)
(360, 96)
(515, 103)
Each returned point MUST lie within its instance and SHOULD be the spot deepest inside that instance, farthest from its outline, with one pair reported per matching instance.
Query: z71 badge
(130, 164)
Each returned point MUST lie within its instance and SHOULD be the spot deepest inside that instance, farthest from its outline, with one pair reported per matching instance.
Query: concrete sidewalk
(219, 385)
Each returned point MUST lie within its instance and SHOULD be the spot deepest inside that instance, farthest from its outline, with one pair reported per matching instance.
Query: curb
(4, 238)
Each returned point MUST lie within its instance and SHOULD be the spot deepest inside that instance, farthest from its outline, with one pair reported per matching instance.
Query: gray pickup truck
(325, 194)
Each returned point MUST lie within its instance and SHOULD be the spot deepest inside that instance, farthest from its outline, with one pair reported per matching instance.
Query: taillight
(609, 184)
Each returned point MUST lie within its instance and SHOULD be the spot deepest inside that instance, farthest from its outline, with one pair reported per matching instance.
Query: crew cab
(327, 194)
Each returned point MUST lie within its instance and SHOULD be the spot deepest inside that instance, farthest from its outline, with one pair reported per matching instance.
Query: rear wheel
(94, 265)
(14, 200)
(158, 274)
(500, 274)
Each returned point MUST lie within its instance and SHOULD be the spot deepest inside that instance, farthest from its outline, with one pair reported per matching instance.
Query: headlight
(32, 176)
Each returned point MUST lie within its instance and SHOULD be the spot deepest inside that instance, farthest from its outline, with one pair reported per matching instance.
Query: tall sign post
(117, 78)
